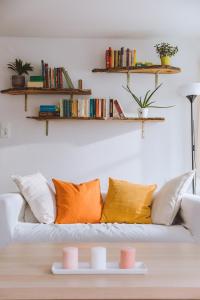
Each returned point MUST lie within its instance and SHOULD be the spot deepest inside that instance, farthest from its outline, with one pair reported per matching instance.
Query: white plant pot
(143, 112)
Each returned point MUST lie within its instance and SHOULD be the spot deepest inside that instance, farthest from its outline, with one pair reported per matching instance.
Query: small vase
(165, 60)
(18, 81)
(143, 112)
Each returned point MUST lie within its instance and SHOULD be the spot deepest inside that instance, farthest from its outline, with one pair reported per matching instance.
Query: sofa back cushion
(38, 194)
(167, 201)
(78, 203)
(127, 202)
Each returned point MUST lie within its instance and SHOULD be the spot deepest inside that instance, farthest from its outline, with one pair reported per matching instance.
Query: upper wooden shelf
(155, 69)
(46, 91)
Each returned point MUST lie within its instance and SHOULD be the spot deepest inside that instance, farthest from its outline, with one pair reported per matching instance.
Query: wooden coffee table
(174, 273)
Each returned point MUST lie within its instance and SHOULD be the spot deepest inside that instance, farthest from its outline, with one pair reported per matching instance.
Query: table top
(173, 273)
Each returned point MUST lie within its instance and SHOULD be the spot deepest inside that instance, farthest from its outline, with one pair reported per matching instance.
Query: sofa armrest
(190, 212)
(11, 210)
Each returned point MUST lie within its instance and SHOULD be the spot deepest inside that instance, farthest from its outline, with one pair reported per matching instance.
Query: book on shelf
(119, 109)
(120, 58)
(35, 84)
(49, 114)
(115, 109)
(53, 77)
(36, 78)
(48, 108)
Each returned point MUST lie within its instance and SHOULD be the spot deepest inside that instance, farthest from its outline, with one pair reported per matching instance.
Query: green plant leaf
(133, 95)
(154, 91)
(162, 106)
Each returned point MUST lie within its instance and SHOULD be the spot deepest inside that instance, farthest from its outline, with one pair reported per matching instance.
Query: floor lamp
(191, 91)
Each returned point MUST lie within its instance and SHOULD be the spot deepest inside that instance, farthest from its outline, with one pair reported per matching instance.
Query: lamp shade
(191, 89)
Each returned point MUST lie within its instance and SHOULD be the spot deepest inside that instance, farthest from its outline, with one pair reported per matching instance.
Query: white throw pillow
(167, 201)
(39, 196)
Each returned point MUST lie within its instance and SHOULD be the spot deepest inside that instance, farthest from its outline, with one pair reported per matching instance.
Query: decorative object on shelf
(145, 104)
(191, 91)
(18, 81)
(120, 58)
(143, 112)
(165, 51)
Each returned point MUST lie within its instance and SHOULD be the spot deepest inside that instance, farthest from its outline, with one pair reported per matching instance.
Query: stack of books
(35, 82)
(120, 58)
(53, 77)
(49, 111)
(83, 108)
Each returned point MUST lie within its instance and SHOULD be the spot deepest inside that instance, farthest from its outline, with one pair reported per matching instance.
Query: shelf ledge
(154, 69)
(46, 91)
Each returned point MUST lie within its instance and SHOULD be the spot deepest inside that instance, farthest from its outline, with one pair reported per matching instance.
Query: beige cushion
(167, 201)
(39, 196)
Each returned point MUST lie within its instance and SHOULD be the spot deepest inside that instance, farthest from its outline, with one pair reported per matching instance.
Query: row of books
(53, 77)
(83, 108)
(120, 58)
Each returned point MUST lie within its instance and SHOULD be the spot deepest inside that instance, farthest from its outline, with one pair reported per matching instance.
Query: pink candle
(127, 258)
(70, 258)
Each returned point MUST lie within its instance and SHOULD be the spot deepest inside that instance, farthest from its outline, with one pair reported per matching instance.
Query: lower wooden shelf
(49, 118)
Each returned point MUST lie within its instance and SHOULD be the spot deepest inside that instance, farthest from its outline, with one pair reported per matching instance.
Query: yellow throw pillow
(127, 203)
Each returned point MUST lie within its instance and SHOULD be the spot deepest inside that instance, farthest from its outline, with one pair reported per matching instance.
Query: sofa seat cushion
(30, 232)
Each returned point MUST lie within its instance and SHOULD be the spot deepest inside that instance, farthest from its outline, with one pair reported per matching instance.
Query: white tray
(112, 268)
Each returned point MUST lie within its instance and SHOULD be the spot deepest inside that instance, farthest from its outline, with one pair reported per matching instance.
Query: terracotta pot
(18, 81)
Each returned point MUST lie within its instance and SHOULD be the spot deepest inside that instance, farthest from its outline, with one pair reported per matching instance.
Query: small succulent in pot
(18, 81)
(165, 51)
(145, 103)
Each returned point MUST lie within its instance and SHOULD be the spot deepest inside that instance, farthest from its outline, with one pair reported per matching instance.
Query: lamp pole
(191, 98)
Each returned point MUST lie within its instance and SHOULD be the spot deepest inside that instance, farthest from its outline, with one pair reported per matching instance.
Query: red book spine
(119, 109)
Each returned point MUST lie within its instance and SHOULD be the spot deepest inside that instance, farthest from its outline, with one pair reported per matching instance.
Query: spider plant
(19, 67)
(146, 102)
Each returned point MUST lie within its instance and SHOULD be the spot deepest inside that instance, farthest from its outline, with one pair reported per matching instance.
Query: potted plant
(18, 81)
(165, 51)
(145, 104)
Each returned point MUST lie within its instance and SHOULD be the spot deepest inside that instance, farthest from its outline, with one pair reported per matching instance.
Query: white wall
(80, 150)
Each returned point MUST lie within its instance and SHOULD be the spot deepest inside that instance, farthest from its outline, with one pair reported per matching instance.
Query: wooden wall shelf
(44, 91)
(47, 119)
(155, 69)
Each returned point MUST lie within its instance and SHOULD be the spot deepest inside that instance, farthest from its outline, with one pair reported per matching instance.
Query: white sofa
(17, 224)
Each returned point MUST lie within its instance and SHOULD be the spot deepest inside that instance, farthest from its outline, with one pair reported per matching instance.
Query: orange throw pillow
(78, 203)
